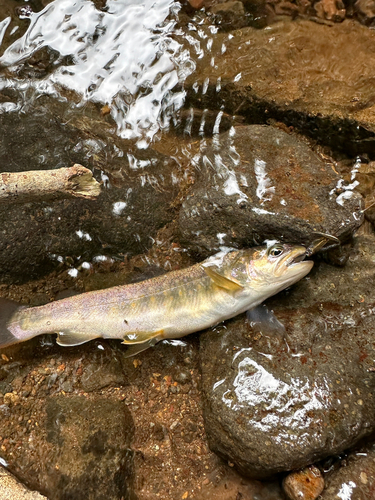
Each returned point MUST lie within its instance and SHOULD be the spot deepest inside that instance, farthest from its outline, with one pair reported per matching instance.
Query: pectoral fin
(70, 339)
(220, 280)
(263, 320)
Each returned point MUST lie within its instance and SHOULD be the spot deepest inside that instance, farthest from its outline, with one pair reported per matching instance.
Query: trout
(166, 307)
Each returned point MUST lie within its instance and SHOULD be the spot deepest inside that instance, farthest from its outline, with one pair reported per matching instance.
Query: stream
(209, 125)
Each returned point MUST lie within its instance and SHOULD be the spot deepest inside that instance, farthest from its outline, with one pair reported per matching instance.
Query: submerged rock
(355, 478)
(258, 182)
(229, 15)
(298, 72)
(55, 437)
(91, 453)
(274, 404)
(138, 190)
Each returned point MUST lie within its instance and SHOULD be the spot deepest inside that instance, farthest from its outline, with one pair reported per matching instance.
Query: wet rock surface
(260, 13)
(307, 483)
(258, 182)
(355, 477)
(90, 452)
(137, 193)
(273, 405)
(59, 439)
(301, 73)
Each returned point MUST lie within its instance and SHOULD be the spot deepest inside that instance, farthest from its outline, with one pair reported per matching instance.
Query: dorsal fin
(220, 280)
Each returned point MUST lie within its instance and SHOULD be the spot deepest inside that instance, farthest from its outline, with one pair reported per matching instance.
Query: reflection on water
(123, 56)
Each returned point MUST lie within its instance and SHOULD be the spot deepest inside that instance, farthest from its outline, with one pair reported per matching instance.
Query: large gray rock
(257, 182)
(139, 187)
(272, 405)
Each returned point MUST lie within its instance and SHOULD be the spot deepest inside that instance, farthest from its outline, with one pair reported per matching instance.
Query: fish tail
(8, 308)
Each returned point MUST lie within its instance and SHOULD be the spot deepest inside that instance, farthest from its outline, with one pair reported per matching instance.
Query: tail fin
(7, 310)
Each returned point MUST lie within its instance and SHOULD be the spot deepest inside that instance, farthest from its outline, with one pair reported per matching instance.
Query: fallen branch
(48, 185)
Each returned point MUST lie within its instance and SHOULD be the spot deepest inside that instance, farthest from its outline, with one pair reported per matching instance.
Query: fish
(165, 307)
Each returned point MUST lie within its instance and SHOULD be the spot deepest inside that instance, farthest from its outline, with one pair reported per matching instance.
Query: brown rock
(354, 476)
(365, 10)
(307, 484)
(234, 7)
(333, 10)
(257, 182)
(271, 406)
(300, 72)
(229, 15)
(286, 9)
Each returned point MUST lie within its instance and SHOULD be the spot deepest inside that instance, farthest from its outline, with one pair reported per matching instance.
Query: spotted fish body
(169, 306)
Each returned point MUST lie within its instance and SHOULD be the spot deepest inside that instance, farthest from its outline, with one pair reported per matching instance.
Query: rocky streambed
(272, 140)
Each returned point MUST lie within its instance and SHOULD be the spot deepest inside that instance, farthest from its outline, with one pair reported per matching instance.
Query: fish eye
(276, 251)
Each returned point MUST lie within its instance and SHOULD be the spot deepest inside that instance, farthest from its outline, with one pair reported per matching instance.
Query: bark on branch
(48, 185)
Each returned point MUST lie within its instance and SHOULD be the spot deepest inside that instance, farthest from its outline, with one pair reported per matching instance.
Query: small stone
(332, 10)
(235, 7)
(11, 398)
(105, 110)
(229, 15)
(363, 477)
(307, 483)
(365, 10)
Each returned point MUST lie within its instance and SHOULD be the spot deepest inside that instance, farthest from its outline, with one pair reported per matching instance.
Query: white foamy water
(124, 57)
(265, 190)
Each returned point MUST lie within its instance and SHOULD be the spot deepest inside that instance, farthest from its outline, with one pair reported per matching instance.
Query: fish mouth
(295, 261)
(296, 258)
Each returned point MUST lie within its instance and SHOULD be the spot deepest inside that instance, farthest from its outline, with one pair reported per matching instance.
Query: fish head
(278, 266)
(268, 269)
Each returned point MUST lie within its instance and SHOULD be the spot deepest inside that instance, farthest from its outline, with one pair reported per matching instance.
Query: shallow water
(123, 56)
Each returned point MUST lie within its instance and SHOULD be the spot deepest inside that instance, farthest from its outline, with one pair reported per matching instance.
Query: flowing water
(123, 56)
